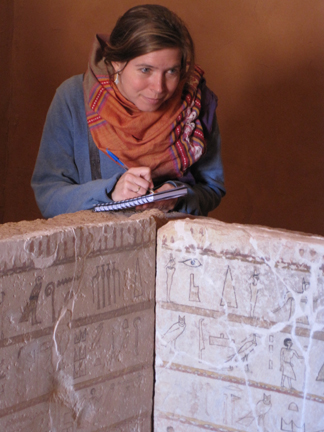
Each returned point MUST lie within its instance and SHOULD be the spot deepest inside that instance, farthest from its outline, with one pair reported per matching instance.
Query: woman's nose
(158, 83)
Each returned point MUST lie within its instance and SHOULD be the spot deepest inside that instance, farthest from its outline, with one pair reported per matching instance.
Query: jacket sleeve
(206, 188)
(63, 159)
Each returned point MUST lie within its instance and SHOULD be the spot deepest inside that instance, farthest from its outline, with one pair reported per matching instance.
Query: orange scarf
(168, 140)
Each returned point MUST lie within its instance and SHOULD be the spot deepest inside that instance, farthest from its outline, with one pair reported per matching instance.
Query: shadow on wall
(273, 151)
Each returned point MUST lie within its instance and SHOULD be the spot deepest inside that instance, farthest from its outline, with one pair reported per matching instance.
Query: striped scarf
(168, 140)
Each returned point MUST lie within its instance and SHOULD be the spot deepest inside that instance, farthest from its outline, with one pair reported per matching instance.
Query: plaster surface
(239, 329)
(77, 323)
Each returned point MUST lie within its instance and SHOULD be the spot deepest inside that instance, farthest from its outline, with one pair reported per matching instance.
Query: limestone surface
(239, 329)
(77, 323)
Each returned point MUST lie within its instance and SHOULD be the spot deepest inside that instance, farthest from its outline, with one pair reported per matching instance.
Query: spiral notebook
(144, 199)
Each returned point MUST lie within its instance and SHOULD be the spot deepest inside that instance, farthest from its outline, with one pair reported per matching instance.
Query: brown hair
(147, 28)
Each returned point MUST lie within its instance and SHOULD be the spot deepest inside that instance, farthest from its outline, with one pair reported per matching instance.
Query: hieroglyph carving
(245, 306)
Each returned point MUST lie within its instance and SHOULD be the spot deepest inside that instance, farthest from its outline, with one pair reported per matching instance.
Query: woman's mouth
(153, 101)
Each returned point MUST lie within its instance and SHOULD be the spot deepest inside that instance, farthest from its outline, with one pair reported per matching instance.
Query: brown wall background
(264, 60)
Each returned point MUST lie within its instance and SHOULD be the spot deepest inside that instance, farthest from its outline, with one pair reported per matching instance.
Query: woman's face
(149, 80)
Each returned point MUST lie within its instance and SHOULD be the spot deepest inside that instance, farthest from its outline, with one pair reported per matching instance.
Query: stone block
(77, 323)
(239, 329)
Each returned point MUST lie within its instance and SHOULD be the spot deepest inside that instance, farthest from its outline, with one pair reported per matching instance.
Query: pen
(115, 159)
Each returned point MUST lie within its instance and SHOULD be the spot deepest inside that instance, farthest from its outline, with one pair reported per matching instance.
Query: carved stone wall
(239, 326)
(77, 323)
(239, 329)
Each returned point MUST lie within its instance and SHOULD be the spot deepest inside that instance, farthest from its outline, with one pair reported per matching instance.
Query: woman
(141, 117)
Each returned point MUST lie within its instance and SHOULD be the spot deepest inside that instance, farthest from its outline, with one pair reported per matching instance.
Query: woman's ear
(118, 66)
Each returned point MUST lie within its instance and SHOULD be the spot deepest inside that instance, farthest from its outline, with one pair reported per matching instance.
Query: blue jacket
(63, 181)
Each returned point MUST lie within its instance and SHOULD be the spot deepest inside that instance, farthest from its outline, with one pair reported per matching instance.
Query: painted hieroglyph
(239, 329)
(77, 324)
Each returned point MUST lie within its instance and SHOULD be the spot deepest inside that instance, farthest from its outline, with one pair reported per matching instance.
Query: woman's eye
(173, 71)
(145, 70)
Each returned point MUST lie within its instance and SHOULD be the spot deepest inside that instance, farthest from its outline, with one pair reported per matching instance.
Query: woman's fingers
(135, 182)
(144, 173)
(164, 206)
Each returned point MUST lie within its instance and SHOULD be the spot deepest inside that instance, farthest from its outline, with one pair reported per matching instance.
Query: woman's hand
(165, 205)
(134, 183)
